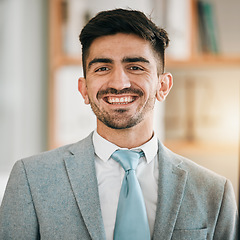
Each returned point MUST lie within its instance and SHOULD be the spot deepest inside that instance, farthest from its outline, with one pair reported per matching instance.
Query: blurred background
(40, 63)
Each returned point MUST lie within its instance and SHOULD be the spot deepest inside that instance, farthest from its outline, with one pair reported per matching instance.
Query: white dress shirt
(110, 175)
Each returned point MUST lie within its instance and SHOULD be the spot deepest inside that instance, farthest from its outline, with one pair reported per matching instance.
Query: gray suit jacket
(55, 196)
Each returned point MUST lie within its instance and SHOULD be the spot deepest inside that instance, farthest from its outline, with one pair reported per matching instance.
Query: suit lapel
(172, 181)
(82, 176)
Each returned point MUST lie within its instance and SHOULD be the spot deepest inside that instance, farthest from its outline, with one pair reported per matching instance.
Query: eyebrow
(135, 59)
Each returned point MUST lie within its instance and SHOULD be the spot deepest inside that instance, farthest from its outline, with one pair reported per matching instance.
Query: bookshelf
(198, 57)
(60, 58)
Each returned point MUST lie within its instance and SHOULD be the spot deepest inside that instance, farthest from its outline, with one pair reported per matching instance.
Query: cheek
(93, 90)
(151, 87)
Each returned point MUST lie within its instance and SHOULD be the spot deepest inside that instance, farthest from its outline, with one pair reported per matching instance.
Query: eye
(102, 69)
(136, 68)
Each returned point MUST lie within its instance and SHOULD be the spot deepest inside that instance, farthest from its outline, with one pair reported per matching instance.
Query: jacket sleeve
(227, 223)
(17, 214)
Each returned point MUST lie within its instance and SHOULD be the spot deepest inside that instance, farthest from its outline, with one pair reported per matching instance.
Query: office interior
(40, 63)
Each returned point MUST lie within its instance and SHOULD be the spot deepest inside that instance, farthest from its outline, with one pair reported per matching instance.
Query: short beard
(115, 122)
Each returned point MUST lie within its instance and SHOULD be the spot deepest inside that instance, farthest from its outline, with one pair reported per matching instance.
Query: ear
(82, 88)
(165, 85)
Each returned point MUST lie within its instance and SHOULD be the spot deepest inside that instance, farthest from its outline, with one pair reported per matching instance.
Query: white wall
(22, 81)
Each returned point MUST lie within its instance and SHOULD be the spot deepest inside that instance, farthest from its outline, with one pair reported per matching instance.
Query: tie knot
(127, 158)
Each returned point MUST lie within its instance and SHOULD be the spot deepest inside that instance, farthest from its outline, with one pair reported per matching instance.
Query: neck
(126, 138)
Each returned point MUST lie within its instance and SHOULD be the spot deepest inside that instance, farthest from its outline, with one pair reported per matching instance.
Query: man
(74, 192)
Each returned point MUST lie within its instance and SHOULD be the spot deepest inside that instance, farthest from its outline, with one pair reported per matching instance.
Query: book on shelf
(178, 24)
(207, 27)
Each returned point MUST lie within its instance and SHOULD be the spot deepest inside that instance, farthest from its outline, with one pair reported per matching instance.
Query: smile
(120, 100)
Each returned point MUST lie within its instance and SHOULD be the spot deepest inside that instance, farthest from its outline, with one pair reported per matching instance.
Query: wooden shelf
(65, 60)
(204, 61)
(199, 148)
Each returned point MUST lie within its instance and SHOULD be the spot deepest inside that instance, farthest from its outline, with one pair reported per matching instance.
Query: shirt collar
(104, 149)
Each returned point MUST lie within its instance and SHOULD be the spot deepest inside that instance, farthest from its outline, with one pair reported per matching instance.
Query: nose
(119, 79)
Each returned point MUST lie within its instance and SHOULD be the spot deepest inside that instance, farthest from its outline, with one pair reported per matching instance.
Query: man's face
(121, 80)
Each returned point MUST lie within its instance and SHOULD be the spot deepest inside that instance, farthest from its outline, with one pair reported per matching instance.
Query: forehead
(119, 46)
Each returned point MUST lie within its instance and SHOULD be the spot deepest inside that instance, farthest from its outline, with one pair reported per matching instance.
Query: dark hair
(123, 21)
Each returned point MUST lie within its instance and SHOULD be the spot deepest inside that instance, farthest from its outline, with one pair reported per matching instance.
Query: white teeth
(121, 100)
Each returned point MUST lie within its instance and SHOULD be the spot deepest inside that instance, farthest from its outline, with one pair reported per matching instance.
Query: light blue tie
(131, 220)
